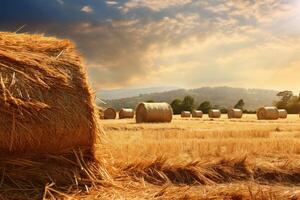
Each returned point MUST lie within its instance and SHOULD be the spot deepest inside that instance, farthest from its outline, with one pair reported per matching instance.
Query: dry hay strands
(235, 113)
(214, 113)
(153, 112)
(50, 176)
(126, 113)
(225, 170)
(267, 113)
(282, 113)
(185, 114)
(110, 113)
(197, 114)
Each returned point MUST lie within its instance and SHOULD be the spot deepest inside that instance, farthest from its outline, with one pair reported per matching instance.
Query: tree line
(288, 101)
(188, 104)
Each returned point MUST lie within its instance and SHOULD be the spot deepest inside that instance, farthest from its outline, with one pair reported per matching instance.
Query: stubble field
(201, 159)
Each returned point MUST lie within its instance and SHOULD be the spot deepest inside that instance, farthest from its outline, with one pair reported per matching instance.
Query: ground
(201, 159)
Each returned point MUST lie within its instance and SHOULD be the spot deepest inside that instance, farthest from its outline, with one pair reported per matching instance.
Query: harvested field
(204, 159)
(195, 158)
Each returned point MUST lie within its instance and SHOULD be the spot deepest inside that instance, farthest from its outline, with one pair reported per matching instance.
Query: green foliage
(188, 103)
(150, 101)
(289, 102)
(224, 110)
(205, 107)
(176, 106)
(240, 104)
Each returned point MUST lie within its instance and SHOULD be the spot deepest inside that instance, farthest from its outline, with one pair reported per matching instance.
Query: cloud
(153, 5)
(110, 2)
(259, 11)
(87, 9)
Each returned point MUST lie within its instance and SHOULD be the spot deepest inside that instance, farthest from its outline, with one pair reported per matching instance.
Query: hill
(220, 96)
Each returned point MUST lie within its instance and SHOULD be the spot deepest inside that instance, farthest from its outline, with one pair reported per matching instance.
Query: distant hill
(220, 96)
(132, 92)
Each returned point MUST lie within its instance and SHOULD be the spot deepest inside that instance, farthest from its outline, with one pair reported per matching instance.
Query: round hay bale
(110, 113)
(282, 113)
(235, 113)
(214, 113)
(197, 114)
(185, 114)
(267, 113)
(153, 112)
(46, 104)
(126, 113)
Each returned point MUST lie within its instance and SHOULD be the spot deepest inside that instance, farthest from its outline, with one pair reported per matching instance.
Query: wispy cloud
(154, 5)
(87, 9)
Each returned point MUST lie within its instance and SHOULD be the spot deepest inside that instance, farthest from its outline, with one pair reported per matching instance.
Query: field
(201, 159)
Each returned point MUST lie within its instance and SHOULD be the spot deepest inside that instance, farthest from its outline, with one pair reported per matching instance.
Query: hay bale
(267, 113)
(45, 102)
(235, 113)
(110, 113)
(185, 114)
(282, 113)
(126, 113)
(214, 113)
(153, 112)
(197, 114)
(48, 121)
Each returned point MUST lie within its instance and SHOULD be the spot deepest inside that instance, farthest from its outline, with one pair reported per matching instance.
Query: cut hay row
(185, 114)
(48, 120)
(126, 113)
(197, 114)
(224, 170)
(153, 112)
(110, 113)
(214, 113)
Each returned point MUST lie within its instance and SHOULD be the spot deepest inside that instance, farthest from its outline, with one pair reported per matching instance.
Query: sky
(183, 43)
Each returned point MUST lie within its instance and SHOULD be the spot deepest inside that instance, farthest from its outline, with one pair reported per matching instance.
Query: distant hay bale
(267, 113)
(235, 113)
(197, 114)
(282, 113)
(126, 113)
(45, 102)
(153, 112)
(214, 113)
(185, 114)
(110, 113)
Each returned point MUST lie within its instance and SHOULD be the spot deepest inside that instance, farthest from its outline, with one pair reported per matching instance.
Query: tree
(188, 103)
(240, 104)
(176, 106)
(285, 98)
(205, 107)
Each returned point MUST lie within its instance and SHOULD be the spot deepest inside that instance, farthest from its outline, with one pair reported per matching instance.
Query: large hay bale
(45, 102)
(48, 121)
(126, 113)
(197, 114)
(282, 113)
(235, 113)
(110, 113)
(153, 112)
(267, 113)
(214, 113)
(185, 114)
